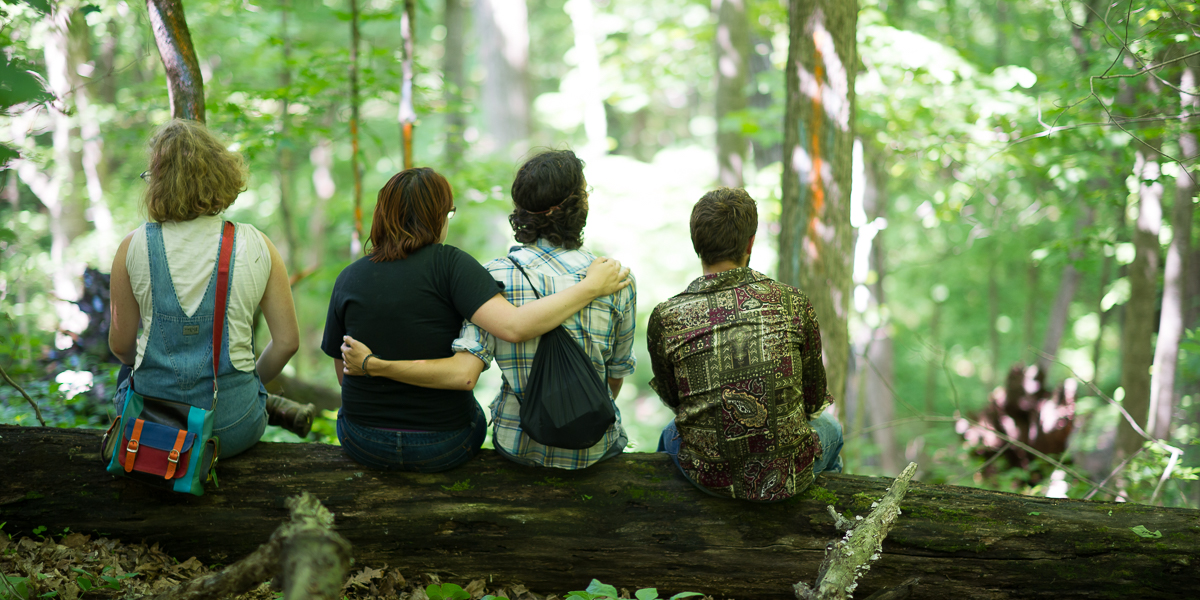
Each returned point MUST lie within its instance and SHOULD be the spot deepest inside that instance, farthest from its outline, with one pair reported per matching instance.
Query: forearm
(458, 372)
(439, 374)
(271, 362)
(615, 386)
(535, 318)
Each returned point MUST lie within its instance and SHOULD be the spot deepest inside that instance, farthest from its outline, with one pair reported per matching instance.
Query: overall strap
(163, 296)
(221, 299)
(533, 287)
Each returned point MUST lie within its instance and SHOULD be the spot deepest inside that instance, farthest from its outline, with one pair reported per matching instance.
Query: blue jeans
(828, 431)
(423, 452)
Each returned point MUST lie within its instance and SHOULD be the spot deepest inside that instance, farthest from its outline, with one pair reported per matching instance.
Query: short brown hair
(548, 200)
(723, 221)
(191, 173)
(410, 212)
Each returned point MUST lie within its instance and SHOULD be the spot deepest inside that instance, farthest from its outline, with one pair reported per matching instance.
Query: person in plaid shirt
(550, 198)
(737, 357)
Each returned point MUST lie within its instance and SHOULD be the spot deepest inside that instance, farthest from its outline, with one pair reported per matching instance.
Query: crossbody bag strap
(222, 292)
(523, 273)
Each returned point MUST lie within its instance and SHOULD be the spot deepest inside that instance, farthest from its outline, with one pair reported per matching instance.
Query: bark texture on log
(631, 521)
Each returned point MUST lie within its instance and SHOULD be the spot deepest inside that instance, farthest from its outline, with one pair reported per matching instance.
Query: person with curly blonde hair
(163, 281)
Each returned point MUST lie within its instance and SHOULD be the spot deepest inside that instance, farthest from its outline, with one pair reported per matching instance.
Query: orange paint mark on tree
(408, 138)
(816, 185)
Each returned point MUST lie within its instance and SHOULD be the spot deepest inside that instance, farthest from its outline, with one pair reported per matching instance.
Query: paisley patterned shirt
(737, 356)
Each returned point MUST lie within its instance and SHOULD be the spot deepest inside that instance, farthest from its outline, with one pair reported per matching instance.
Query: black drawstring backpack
(565, 405)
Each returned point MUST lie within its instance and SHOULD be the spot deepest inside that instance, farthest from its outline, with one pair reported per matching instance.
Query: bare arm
(615, 386)
(459, 372)
(126, 315)
(340, 367)
(519, 323)
(280, 313)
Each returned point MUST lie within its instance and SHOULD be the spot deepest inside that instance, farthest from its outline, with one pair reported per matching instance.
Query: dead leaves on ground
(77, 567)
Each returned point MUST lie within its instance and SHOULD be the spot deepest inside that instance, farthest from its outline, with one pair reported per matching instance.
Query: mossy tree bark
(816, 243)
(631, 521)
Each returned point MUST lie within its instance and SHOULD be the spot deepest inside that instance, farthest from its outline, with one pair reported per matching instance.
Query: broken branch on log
(632, 521)
(849, 558)
(305, 557)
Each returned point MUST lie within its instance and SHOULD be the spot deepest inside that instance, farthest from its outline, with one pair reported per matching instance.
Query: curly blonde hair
(191, 173)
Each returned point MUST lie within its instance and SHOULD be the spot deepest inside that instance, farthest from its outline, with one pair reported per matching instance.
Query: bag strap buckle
(173, 456)
(131, 448)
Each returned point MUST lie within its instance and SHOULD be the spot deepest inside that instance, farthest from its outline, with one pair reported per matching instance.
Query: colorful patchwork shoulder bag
(170, 444)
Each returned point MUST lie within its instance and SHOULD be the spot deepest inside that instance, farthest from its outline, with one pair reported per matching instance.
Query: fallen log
(631, 521)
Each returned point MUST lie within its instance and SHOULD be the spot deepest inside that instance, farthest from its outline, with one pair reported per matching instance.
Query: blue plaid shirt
(605, 328)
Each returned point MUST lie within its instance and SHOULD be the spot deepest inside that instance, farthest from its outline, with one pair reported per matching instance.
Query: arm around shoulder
(517, 324)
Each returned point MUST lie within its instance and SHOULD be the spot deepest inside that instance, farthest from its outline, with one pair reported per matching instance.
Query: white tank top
(191, 254)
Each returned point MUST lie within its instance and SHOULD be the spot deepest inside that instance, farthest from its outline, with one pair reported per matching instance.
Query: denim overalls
(177, 362)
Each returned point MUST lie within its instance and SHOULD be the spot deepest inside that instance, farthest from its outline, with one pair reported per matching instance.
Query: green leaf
(602, 589)
(447, 591)
(1146, 533)
(646, 594)
(685, 595)
(1035, 513)
(580, 595)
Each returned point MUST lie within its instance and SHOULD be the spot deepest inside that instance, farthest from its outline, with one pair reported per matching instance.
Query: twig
(1129, 418)
(1175, 452)
(985, 465)
(999, 434)
(36, 411)
(1150, 68)
(1120, 467)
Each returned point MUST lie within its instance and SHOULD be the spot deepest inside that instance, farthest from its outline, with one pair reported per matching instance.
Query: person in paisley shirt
(737, 357)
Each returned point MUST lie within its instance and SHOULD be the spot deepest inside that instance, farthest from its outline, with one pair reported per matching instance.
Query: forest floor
(77, 567)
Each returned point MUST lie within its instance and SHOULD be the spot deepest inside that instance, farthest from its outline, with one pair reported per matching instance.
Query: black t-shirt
(406, 309)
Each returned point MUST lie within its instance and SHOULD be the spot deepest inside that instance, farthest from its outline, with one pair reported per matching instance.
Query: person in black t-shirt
(407, 300)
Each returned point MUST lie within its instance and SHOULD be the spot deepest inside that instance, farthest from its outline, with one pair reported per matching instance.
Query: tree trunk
(632, 521)
(61, 188)
(993, 320)
(878, 374)
(1137, 348)
(301, 391)
(815, 242)
(452, 83)
(760, 66)
(1057, 322)
(1171, 324)
(408, 114)
(586, 77)
(356, 242)
(321, 157)
(503, 30)
(284, 145)
(1033, 300)
(733, 67)
(185, 85)
(937, 355)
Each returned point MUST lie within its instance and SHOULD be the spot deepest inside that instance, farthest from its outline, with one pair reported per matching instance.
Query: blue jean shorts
(828, 430)
(422, 452)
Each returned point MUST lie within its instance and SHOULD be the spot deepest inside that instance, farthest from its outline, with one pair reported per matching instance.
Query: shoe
(292, 416)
